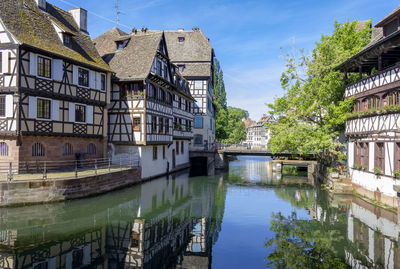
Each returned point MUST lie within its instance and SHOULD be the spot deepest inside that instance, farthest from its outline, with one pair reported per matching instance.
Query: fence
(42, 170)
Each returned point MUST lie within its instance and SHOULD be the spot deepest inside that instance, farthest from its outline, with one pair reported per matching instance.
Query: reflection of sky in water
(252, 169)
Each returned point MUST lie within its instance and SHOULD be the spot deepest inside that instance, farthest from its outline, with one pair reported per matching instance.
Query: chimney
(80, 17)
(134, 30)
(41, 4)
(144, 29)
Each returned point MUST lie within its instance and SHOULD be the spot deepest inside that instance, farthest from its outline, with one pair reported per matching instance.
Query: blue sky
(246, 35)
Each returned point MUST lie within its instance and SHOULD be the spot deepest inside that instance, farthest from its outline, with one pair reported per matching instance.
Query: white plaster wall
(389, 158)
(371, 182)
(182, 158)
(152, 167)
(371, 156)
(350, 157)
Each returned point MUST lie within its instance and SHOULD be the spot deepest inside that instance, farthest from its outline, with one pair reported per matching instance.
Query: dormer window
(391, 27)
(181, 39)
(181, 67)
(67, 40)
(121, 44)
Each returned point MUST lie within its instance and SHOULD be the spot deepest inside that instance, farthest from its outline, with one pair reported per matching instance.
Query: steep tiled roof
(33, 27)
(389, 17)
(135, 60)
(105, 43)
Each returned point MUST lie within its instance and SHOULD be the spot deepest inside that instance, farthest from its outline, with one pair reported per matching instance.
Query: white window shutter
(9, 105)
(32, 63)
(57, 69)
(89, 114)
(32, 107)
(55, 110)
(71, 112)
(75, 75)
(92, 79)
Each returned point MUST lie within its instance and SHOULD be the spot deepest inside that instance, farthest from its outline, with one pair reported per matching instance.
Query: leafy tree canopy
(312, 112)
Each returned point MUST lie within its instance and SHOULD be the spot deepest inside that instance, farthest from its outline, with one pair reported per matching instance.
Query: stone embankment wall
(43, 191)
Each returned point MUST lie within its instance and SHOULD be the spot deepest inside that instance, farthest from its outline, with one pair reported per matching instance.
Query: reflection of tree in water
(315, 243)
(299, 198)
(304, 243)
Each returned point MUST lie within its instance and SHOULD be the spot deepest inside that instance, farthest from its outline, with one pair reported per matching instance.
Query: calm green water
(247, 218)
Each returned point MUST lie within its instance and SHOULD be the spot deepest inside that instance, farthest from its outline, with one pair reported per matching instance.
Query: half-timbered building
(374, 126)
(53, 84)
(150, 115)
(193, 54)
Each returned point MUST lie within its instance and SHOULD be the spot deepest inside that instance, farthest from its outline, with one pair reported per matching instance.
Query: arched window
(3, 149)
(67, 149)
(373, 102)
(91, 149)
(37, 150)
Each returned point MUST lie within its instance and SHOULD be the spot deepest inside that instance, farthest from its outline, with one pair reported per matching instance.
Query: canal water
(249, 217)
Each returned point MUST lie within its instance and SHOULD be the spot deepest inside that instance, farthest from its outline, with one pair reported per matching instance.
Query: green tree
(219, 99)
(235, 129)
(312, 112)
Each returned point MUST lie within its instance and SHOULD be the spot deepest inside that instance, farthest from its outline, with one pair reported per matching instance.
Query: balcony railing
(373, 124)
(385, 77)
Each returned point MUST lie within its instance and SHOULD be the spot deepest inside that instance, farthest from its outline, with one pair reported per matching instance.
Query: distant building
(257, 133)
(372, 130)
(54, 85)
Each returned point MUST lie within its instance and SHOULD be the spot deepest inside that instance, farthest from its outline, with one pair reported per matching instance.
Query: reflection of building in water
(161, 222)
(374, 234)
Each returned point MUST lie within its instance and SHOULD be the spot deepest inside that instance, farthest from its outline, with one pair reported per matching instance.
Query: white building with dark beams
(151, 106)
(192, 52)
(53, 84)
(373, 128)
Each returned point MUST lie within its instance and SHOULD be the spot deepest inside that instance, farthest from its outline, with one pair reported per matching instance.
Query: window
(155, 153)
(154, 124)
(391, 27)
(136, 124)
(160, 125)
(181, 39)
(198, 139)
(43, 108)
(150, 90)
(80, 111)
(83, 77)
(181, 67)
(37, 150)
(2, 106)
(77, 258)
(364, 155)
(397, 156)
(198, 122)
(373, 102)
(182, 149)
(103, 82)
(380, 156)
(44, 67)
(393, 98)
(211, 124)
(159, 66)
(177, 147)
(3, 149)
(67, 40)
(91, 149)
(357, 106)
(179, 102)
(163, 152)
(67, 149)
(166, 126)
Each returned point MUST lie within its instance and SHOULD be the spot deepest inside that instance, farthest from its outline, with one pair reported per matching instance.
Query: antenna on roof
(117, 12)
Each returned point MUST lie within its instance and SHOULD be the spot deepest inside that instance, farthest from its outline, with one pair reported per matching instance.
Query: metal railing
(43, 170)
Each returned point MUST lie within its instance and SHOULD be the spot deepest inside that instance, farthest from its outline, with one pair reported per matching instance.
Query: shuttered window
(2, 106)
(380, 156)
(43, 108)
(83, 77)
(80, 113)
(136, 124)
(43, 67)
